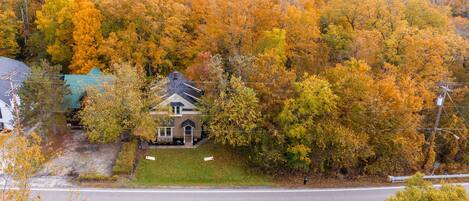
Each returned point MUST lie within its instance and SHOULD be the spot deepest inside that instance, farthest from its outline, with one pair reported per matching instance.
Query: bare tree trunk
(25, 16)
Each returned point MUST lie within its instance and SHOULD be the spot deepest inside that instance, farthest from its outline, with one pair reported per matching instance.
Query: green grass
(187, 167)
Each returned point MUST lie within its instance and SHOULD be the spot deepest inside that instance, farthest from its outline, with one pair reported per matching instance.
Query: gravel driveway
(78, 156)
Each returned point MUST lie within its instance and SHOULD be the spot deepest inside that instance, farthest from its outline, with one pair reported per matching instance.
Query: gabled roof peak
(176, 75)
(178, 84)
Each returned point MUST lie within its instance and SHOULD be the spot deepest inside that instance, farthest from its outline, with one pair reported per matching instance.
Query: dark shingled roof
(184, 88)
(7, 66)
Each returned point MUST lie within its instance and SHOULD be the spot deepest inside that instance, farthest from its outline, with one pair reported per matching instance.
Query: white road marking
(224, 190)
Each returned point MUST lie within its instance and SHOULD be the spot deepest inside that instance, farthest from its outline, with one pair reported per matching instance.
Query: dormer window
(176, 108)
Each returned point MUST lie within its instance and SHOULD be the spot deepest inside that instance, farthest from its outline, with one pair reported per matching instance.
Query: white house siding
(177, 98)
(7, 116)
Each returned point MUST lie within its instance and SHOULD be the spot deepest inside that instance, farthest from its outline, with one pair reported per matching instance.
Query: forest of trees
(319, 86)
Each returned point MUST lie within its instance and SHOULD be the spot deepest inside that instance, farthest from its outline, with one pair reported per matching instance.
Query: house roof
(18, 69)
(79, 83)
(178, 84)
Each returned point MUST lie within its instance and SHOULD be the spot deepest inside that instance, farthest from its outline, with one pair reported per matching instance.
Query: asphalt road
(336, 194)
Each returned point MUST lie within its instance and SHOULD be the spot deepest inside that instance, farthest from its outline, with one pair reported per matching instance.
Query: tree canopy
(330, 87)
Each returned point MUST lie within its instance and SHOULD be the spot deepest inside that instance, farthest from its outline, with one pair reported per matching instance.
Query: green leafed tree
(120, 107)
(423, 14)
(42, 98)
(314, 99)
(233, 116)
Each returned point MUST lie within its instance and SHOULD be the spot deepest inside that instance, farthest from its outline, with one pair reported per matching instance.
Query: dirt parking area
(77, 155)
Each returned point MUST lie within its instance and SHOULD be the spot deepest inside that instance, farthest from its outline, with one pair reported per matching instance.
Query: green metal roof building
(79, 83)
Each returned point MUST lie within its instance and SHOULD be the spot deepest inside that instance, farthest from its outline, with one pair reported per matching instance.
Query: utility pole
(13, 95)
(428, 163)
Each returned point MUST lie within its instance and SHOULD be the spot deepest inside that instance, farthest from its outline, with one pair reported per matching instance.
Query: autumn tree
(417, 189)
(9, 29)
(21, 158)
(382, 109)
(313, 100)
(148, 34)
(268, 74)
(54, 20)
(207, 72)
(301, 23)
(121, 107)
(422, 14)
(42, 98)
(232, 117)
(87, 37)
(233, 27)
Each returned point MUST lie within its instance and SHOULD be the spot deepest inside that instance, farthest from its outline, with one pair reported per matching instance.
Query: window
(1, 114)
(176, 110)
(168, 131)
(2, 126)
(165, 132)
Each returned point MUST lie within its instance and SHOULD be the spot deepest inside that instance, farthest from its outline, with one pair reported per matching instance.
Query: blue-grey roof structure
(178, 84)
(20, 72)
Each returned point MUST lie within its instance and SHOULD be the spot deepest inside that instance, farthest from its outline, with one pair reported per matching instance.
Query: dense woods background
(327, 86)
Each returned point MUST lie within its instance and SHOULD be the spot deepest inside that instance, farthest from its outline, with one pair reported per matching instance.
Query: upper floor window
(176, 110)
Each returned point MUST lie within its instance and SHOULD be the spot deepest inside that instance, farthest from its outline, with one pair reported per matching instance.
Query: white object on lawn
(210, 158)
(152, 158)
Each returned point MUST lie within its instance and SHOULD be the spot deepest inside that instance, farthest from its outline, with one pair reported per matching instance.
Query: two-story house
(185, 125)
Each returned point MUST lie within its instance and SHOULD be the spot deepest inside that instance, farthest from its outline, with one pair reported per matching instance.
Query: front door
(188, 135)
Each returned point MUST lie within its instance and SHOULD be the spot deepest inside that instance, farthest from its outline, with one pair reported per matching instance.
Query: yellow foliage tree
(148, 34)
(301, 24)
(87, 36)
(234, 26)
(9, 30)
(22, 156)
(54, 20)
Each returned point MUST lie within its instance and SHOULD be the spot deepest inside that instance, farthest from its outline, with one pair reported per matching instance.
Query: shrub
(418, 189)
(125, 160)
(93, 176)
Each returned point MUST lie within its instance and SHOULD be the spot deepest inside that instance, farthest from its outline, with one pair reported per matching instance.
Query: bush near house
(95, 177)
(126, 159)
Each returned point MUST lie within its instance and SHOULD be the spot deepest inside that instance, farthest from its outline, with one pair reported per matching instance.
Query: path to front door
(188, 140)
(188, 135)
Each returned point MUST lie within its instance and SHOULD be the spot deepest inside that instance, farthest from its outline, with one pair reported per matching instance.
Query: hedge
(93, 176)
(125, 160)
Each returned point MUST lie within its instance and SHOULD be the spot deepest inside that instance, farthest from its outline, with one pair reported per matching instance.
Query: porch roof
(188, 122)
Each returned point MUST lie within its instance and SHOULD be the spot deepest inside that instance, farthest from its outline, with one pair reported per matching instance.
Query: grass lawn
(187, 167)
